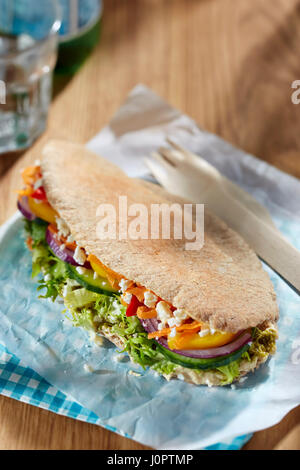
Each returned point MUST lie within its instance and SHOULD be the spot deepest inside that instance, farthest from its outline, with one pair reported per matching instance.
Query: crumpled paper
(161, 414)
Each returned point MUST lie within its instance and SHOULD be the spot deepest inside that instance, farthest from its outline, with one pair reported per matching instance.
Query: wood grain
(229, 64)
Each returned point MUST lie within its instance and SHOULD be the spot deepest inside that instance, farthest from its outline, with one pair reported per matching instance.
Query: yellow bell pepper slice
(194, 341)
(104, 271)
(43, 210)
(97, 267)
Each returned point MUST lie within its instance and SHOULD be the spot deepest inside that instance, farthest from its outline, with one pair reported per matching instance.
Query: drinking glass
(28, 54)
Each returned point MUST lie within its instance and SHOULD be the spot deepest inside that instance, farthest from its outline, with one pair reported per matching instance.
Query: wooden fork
(179, 173)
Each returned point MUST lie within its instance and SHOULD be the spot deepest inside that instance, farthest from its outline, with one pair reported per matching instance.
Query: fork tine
(186, 155)
(173, 157)
(150, 165)
(159, 158)
(156, 170)
(177, 147)
(193, 159)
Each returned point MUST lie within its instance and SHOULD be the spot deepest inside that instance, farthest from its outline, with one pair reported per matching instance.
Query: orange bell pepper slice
(31, 174)
(29, 242)
(138, 292)
(144, 313)
(26, 192)
(189, 327)
(71, 245)
(113, 277)
(194, 326)
(158, 334)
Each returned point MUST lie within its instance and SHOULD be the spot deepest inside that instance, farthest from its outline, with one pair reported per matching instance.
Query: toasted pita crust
(222, 284)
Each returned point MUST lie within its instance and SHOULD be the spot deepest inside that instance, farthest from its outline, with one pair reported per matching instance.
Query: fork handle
(273, 248)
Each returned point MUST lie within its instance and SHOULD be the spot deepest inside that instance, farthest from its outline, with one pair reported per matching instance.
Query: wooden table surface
(227, 63)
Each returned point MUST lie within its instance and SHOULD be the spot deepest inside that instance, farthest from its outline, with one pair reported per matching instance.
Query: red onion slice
(64, 254)
(24, 208)
(239, 341)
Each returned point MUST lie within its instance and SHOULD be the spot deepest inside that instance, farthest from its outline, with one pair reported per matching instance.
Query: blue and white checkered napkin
(24, 384)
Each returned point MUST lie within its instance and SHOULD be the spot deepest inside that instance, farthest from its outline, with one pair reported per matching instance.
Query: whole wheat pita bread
(223, 284)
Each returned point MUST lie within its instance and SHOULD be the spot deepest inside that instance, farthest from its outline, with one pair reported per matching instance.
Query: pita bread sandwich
(205, 316)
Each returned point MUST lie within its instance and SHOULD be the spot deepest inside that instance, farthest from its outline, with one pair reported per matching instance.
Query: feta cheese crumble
(180, 314)
(124, 284)
(63, 229)
(242, 379)
(164, 312)
(136, 374)
(80, 270)
(70, 239)
(127, 298)
(79, 255)
(173, 333)
(209, 383)
(150, 299)
(203, 333)
(38, 184)
(177, 319)
(65, 290)
(173, 322)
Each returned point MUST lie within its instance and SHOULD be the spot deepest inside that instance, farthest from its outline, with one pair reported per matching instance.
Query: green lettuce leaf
(230, 372)
(78, 298)
(98, 311)
(36, 229)
(43, 261)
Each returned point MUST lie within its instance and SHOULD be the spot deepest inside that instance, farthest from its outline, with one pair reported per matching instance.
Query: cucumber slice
(193, 363)
(41, 222)
(100, 285)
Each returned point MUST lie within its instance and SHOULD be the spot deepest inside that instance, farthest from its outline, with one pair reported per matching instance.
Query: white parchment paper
(172, 415)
